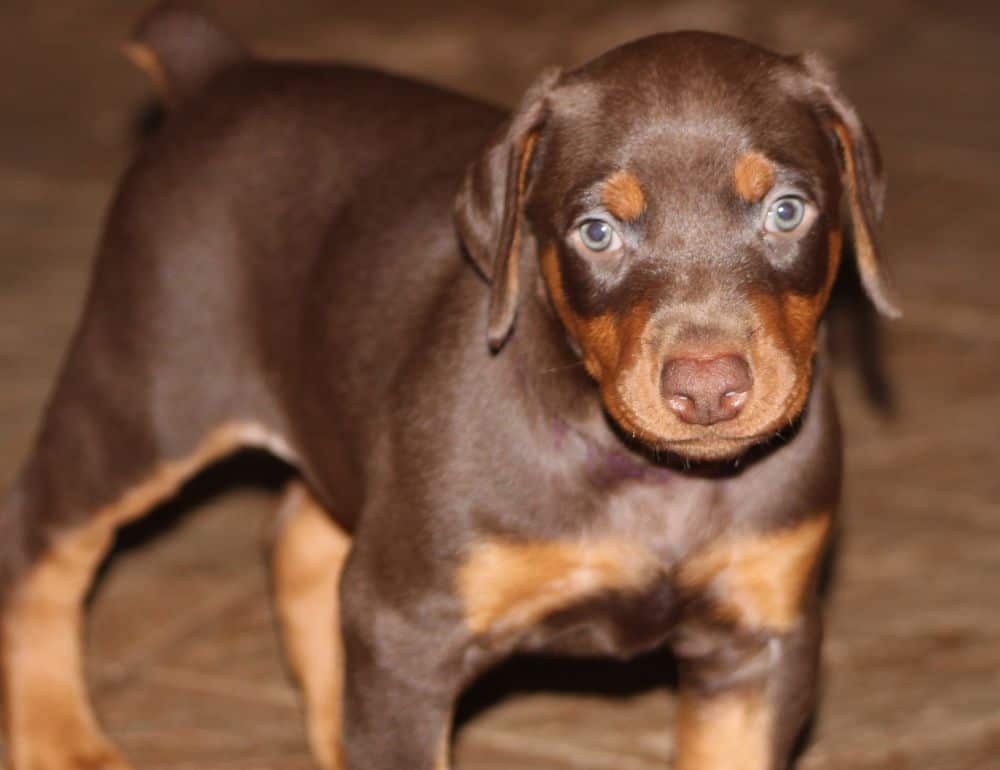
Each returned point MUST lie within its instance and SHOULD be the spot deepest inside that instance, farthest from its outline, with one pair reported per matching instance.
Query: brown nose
(705, 391)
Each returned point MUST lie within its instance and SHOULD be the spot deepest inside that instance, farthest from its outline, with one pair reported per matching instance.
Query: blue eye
(597, 235)
(785, 214)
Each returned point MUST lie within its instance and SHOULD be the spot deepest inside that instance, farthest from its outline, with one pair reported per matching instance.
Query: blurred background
(184, 660)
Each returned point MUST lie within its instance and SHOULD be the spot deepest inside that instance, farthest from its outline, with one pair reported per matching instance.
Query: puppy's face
(684, 195)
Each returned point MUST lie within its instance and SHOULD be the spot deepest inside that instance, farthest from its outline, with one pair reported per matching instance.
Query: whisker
(561, 368)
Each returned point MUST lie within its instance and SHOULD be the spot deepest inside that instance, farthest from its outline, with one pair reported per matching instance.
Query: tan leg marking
(760, 582)
(731, 731)
(509, 586)
(443, 759)
(50, 724)
(308, 557)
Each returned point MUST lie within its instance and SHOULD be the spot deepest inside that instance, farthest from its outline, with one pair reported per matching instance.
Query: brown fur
(863, 243)
(511, 264)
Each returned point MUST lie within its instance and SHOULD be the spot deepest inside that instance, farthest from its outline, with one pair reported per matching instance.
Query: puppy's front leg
(405, 663)
(309, 553)
(744, 702)
(749, 652)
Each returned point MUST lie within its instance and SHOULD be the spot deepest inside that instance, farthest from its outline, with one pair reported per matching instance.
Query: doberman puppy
(552, 380)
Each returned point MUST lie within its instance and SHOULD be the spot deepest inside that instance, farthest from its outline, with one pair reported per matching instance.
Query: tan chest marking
(760, 582)
(509, 586)
(753, 176)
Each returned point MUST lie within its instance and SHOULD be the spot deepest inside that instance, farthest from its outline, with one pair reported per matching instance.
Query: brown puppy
(622, 438)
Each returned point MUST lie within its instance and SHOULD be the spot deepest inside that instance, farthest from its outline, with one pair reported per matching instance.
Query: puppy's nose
(704, 391)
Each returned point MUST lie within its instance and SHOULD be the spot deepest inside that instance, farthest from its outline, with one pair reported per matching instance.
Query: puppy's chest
(622, 584)
(609, 586)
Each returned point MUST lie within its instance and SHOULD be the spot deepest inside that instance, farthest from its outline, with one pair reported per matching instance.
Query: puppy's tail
(182, 49)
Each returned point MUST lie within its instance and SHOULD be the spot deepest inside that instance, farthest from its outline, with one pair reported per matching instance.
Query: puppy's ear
(489, 207)
(863, 179)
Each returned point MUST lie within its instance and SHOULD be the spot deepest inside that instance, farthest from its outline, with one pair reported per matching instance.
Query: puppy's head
(683, 195)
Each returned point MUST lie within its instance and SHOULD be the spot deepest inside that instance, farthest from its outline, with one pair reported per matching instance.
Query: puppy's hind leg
(309, 554)
(50, 555)
(107, 453)
(49, 724)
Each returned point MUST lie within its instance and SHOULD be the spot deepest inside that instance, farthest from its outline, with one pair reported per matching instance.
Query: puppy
(551, 380)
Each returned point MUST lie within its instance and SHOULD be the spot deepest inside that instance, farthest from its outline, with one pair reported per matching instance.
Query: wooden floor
(184, 660)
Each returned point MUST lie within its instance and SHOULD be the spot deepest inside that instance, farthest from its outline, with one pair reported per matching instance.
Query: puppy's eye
(785, 215)
(598, 235)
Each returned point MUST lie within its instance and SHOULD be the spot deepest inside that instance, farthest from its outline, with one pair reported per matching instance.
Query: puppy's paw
(107, 758)
(96, 755)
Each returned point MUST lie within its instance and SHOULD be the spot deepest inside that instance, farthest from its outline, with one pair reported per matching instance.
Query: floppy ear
(863, 180)
(489, 207)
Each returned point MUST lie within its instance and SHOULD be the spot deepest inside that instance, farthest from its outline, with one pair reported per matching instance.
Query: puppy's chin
(711, 449)
(696, 443)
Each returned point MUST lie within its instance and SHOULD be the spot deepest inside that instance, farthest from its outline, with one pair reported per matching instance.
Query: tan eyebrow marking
(753, 176)
(622, 195)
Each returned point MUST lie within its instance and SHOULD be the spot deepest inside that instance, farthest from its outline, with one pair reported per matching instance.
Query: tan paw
(102, 756)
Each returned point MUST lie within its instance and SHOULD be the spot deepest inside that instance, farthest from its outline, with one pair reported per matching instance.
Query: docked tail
(182, 49)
